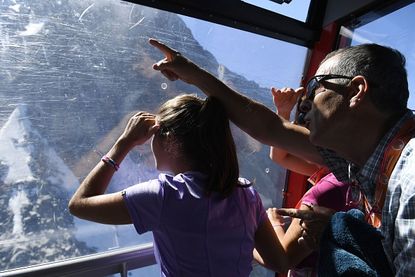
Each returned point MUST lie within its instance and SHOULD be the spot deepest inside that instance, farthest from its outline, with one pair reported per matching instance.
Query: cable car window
(394, 29)
(72, 72)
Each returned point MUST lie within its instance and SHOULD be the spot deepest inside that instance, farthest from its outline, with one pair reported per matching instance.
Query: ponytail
(218, 146)
(201, 128)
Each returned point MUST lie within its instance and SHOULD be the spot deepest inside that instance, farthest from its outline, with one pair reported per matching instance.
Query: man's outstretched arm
(252, 117)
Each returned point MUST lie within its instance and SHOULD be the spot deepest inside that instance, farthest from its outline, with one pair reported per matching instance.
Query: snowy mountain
(38, 194)
(34, 185)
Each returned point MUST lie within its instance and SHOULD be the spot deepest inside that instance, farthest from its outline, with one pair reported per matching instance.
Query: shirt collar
(371, 167)
(369, 172)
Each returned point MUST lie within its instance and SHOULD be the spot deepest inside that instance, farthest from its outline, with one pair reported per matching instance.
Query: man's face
(328, 107)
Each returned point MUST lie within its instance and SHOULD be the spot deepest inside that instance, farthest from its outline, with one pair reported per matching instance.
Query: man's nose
(305, 106)
(306, 119)
(303, 109)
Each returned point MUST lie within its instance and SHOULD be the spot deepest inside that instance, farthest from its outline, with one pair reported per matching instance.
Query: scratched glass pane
(71, 73)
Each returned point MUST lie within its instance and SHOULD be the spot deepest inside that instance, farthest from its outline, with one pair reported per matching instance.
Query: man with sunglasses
(355, 112)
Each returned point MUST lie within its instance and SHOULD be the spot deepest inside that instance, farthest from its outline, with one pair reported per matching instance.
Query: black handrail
(102, 264)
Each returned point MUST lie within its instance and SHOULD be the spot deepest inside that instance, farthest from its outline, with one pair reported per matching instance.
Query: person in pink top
(327, 191)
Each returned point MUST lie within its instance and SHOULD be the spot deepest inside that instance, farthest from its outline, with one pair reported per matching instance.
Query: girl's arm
(90, 201)
(268, 249)
(292, 251)
(277, 223)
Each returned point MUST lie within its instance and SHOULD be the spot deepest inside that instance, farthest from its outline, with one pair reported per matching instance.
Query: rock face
(72, 72)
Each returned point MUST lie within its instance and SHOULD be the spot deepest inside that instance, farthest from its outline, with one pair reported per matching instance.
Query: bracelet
(278, 224)
(111, 162)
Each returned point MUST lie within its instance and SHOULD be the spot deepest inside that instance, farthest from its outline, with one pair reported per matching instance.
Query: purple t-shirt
(196, 235)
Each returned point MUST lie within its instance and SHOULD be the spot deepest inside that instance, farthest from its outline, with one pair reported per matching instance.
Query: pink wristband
(111, 162)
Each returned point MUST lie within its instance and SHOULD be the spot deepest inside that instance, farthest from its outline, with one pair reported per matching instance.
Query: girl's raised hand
(140, 127)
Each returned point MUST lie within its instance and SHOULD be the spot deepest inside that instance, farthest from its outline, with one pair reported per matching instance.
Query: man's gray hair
(384, 69)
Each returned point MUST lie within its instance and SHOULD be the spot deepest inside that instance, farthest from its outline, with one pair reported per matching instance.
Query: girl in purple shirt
(205, 220)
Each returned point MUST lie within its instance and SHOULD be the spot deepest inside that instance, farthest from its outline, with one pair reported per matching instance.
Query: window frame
(238, 14)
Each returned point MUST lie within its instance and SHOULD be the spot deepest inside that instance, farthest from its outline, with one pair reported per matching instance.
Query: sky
(267, 61)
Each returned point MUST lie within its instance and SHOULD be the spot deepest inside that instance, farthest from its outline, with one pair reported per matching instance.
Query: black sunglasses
(312, 85)
(315, 82)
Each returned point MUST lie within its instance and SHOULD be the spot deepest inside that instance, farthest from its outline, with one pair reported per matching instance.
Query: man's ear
(359, 86)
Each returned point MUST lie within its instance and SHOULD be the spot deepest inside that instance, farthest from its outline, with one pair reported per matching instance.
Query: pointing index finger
(167, 51)
(301, 214)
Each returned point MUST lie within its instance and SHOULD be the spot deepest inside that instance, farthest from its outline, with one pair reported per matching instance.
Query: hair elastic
(111, 162)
